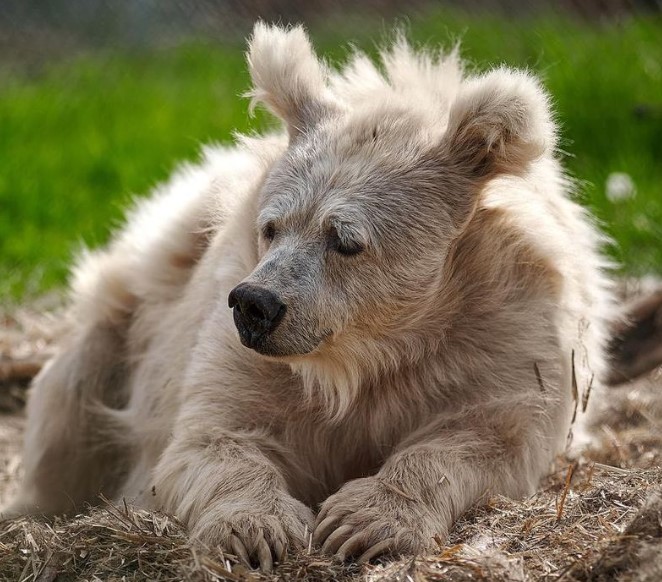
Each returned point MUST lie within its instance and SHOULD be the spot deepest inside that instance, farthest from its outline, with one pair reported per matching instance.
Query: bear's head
(382, 174)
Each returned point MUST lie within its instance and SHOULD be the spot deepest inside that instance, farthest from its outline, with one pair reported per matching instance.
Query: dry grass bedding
(598, 518)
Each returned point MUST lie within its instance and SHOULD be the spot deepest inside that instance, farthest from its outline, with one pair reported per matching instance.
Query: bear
(345, 332)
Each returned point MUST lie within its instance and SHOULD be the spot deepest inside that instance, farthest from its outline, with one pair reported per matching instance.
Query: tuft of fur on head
(425, 79)
(287, 76)
(495, 123)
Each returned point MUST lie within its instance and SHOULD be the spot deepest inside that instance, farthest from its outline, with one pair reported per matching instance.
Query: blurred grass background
(81, 134)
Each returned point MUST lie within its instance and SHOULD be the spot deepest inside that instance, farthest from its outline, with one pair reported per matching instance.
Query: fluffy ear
(499, 123)
(287, 76)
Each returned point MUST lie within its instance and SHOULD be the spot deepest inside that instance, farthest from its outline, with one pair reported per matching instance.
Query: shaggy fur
(445, 317)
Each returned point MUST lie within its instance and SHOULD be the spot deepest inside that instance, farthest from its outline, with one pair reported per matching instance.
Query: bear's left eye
(269, 231)
(346, 247)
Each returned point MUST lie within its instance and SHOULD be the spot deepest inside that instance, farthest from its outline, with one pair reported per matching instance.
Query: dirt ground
(598, 518)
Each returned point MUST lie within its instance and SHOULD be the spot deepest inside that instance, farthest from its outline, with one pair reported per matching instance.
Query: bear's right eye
(269, 231)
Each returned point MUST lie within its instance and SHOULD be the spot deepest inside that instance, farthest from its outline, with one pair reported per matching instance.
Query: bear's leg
(72, 450)
(439, 472)
(230, 489)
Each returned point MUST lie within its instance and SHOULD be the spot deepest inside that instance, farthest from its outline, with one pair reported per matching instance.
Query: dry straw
(598, 518)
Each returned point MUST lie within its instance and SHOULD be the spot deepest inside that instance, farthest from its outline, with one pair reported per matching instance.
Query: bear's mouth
(280, 345)
(254, 338)
(260, 343)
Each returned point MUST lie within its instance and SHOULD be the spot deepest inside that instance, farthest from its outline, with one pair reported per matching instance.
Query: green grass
(79, 139)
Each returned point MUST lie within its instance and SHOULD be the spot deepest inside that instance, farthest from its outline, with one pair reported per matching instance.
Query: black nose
(257, 312)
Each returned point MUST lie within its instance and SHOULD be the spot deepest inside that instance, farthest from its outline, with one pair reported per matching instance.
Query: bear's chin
(269, 348)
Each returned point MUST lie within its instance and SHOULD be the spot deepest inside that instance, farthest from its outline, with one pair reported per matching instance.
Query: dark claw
(383, 547)
(352, 546)
(337, 539)
(264, 554)
(325, 527)
(240, 551)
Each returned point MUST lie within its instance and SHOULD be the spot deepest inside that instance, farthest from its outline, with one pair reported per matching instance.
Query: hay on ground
(596, 519)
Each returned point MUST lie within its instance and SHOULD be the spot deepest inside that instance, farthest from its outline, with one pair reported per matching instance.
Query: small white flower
(620, 186)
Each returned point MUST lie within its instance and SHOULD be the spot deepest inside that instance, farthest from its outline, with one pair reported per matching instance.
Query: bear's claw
(362, 521)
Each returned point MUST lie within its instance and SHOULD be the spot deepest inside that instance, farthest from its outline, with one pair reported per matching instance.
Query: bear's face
(356, 220)
(354, 225)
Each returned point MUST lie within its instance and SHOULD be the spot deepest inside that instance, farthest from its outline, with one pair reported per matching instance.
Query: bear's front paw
(371, 517)
(256, 535)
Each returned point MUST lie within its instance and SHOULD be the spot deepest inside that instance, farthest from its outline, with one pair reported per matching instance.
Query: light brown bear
(417, 310)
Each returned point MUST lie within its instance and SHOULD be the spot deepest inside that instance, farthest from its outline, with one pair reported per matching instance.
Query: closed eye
(269, 231)
(345, 247)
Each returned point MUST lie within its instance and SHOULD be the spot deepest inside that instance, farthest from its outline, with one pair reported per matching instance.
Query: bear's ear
(499, 123)
(287, 76)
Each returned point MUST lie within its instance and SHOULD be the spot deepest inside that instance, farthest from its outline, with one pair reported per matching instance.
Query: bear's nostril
(252, 310)
(257, 311)
(233, 300)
